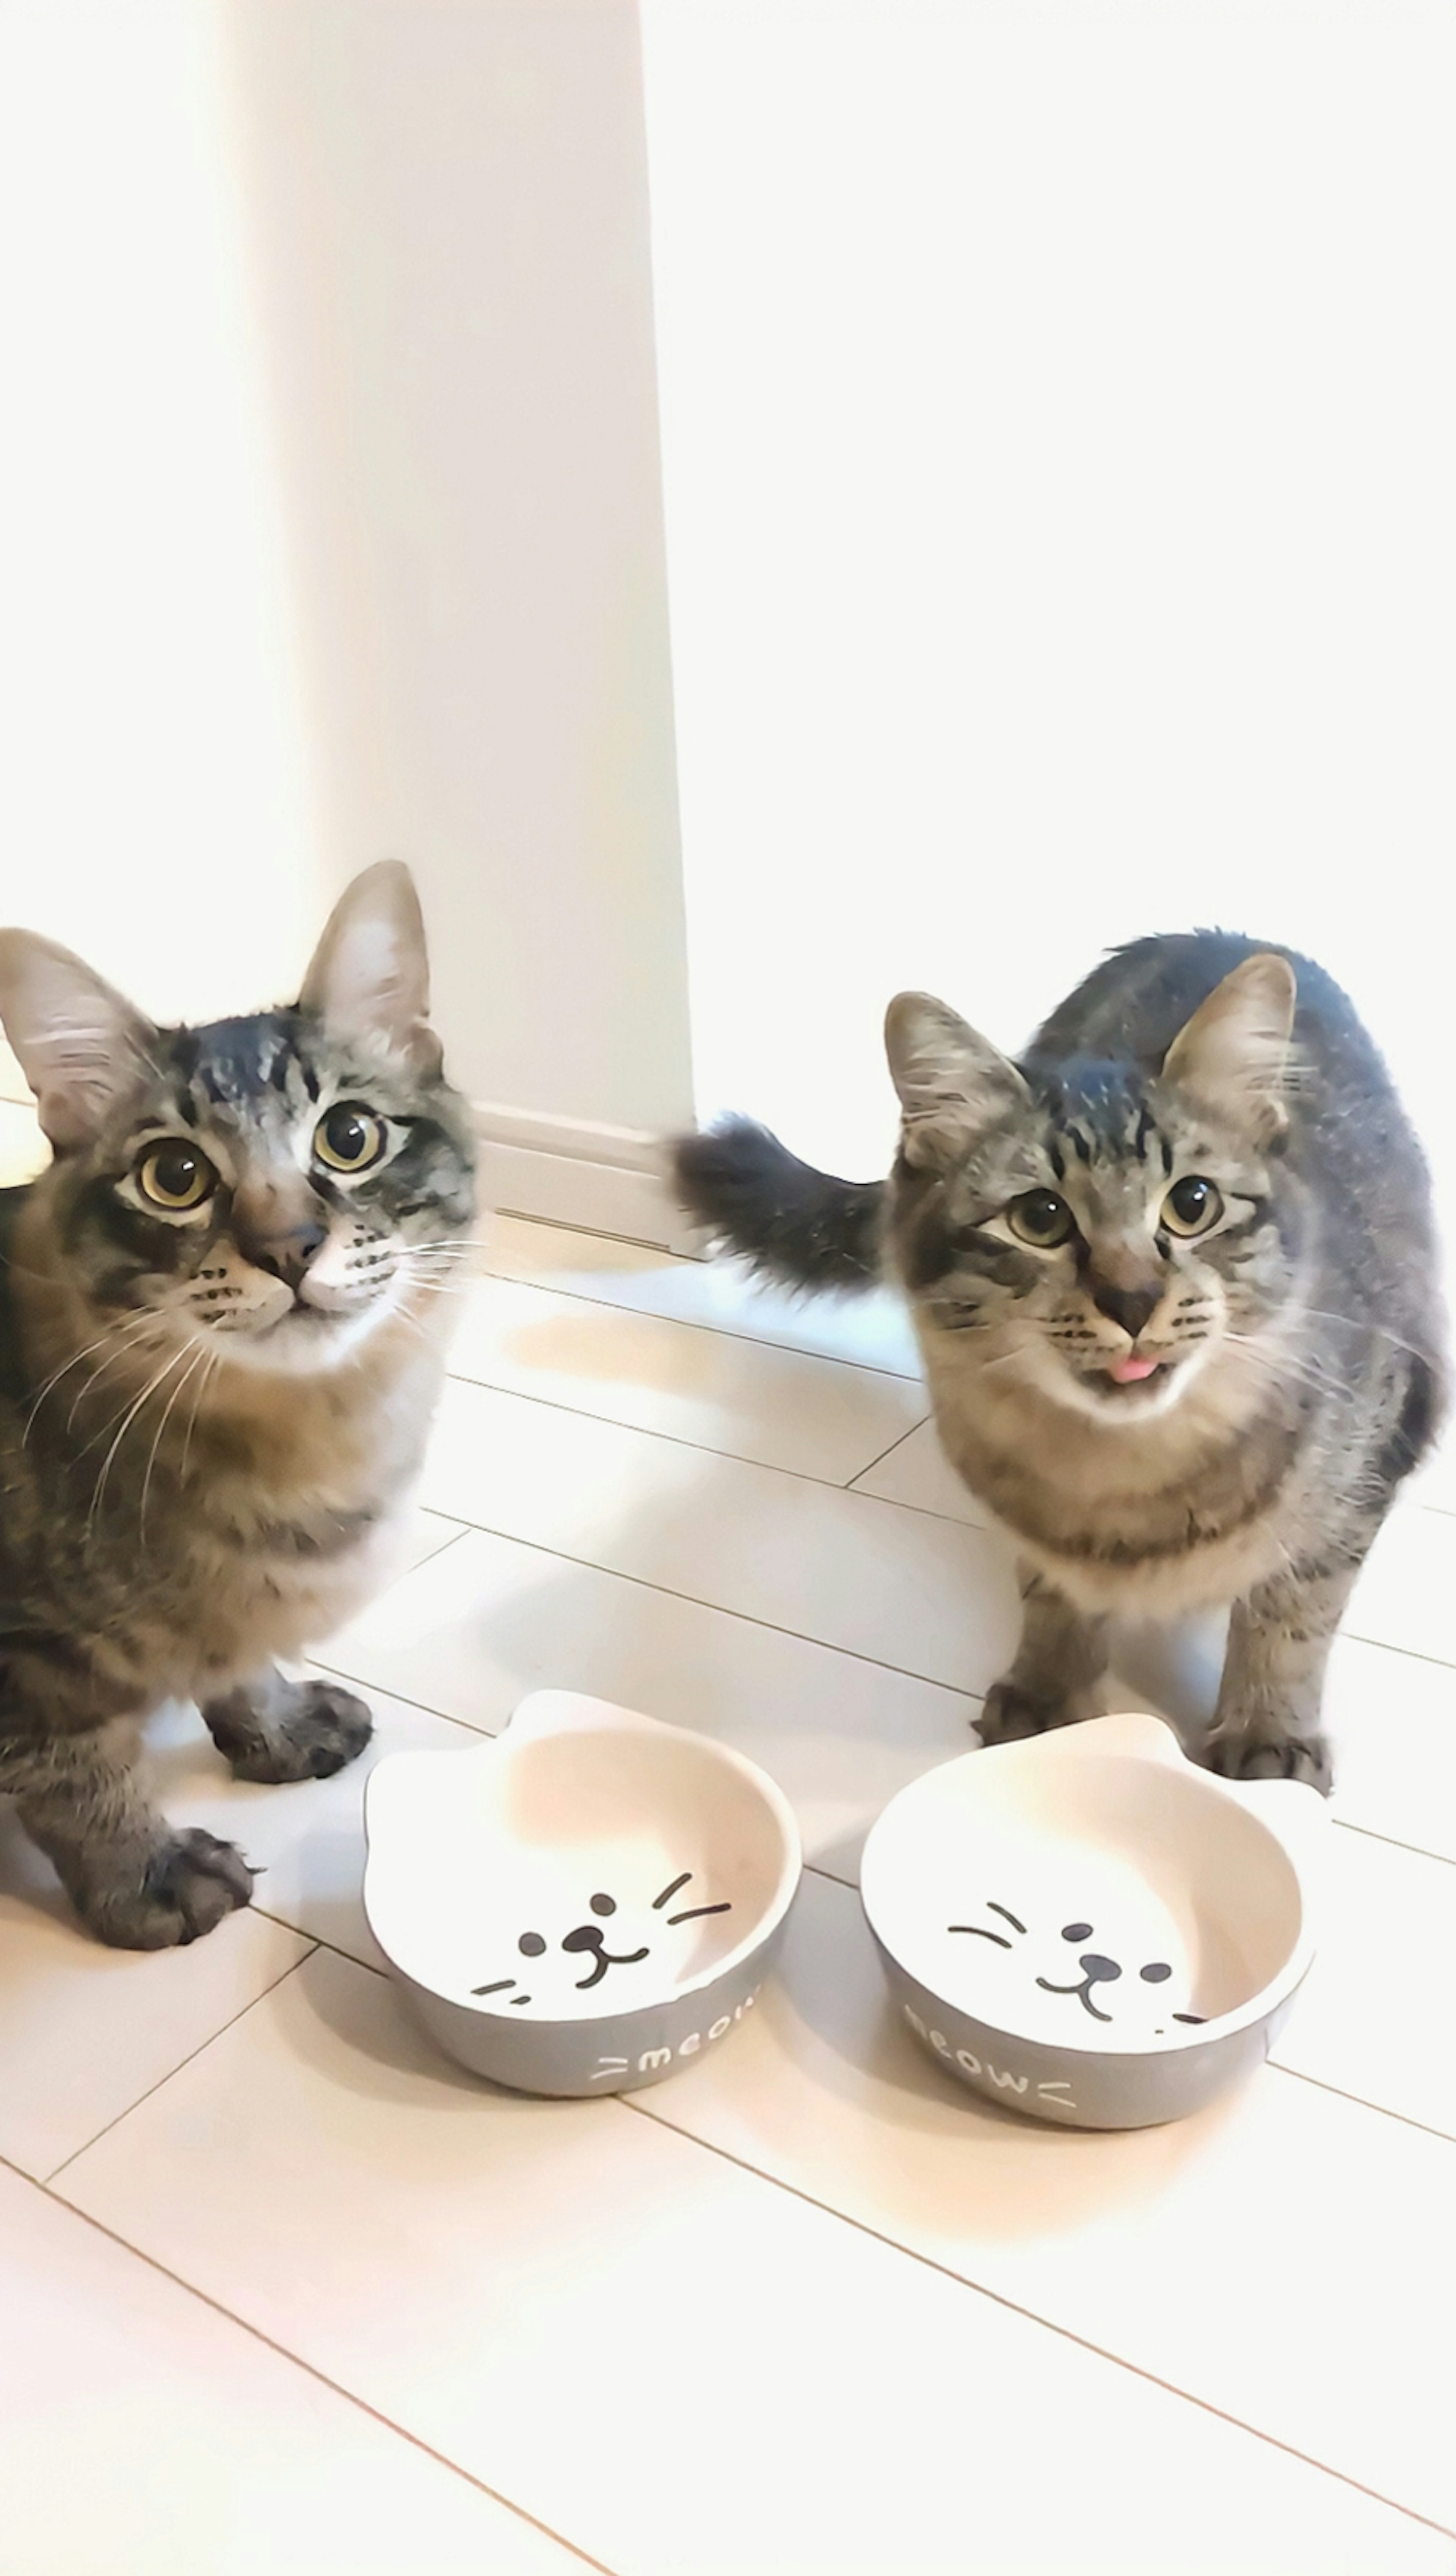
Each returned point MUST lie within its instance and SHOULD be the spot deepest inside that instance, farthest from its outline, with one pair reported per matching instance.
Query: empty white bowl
(584, 1903)
(1087, 1926)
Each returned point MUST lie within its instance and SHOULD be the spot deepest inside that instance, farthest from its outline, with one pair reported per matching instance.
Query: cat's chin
(307, 1341)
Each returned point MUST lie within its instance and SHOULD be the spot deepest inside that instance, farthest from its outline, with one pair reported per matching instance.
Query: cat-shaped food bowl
(585, 1903)
(1088, 1927)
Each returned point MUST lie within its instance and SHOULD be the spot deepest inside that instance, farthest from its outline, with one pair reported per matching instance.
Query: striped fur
(210, 1416)
(1164, 1421)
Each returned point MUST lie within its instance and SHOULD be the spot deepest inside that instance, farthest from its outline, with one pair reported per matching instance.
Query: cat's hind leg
(1055, 1680)
(274, 1729)
(134, 1882)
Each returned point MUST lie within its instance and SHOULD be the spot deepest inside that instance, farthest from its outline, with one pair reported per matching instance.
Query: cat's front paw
(190, 1882)
(319, 1728)
(1238, 1755)
(1011, 1711)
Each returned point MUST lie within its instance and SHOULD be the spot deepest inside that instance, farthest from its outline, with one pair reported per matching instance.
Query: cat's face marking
(263, 1190)
(1098, 1971)
(1104, 1233)
(271, 1192)
(588, 1941)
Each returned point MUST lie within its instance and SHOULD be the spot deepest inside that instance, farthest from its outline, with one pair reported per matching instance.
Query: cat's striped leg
(1059, 1665)
(134, 1882)
(274, 1729)
(1267, 1722)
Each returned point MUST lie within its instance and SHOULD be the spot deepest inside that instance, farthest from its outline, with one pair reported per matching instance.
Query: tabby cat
(221, 1330)
(1174, 1280)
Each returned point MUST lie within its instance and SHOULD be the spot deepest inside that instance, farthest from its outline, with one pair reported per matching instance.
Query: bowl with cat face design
(1087, 1927)
(585, 1904)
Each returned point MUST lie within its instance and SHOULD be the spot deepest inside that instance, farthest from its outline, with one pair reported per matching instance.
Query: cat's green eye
(175, 1176)
(1041, 1218)
(1192, 1205)
(348, 1138)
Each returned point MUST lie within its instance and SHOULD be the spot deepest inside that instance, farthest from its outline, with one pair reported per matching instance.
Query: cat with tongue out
(1174, 1279)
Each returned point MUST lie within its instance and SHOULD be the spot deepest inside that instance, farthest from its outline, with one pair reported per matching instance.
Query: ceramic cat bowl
(1088, 1927)
(583, 1904)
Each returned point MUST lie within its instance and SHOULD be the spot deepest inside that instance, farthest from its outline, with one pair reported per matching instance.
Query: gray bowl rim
(578, 1712)
(1290, 1798)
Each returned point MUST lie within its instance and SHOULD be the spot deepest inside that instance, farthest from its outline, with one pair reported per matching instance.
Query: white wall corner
(578, 1172)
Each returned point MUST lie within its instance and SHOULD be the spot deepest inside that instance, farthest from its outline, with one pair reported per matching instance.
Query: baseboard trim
(577, 1172)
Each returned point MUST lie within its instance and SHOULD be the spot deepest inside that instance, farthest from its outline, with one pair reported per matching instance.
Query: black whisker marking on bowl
(498, 1988)
(519, 1999)
(1005, 1913)
(1198, 2017)
(981, 1933)
(671, 1889)
(694, 1911)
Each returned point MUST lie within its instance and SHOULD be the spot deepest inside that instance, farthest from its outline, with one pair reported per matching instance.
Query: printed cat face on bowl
(584, 1904)
(1087, 1926)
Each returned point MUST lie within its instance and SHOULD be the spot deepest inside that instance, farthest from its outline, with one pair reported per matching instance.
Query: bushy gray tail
(794, 1224)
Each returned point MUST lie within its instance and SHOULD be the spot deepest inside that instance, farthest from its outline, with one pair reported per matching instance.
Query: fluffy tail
(794, 1224)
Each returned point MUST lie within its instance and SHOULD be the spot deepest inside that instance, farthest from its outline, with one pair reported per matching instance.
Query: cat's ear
(369, 976)
(81, 1047)
(952, 1083)
(1233, 1055)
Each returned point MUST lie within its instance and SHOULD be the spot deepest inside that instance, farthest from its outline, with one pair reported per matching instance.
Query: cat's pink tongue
(1127, 1372)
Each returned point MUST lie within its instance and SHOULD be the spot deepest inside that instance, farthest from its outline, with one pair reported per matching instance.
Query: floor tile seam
(45, 2180)
(695, 1324)
(1033, 2316)
(699, 1601)
(700, 1448)
(298, 2361)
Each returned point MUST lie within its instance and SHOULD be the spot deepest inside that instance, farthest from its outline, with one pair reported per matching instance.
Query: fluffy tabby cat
(221, 1335)
(1174, 1280)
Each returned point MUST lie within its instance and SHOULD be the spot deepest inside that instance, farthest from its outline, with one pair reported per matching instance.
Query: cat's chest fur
(237, 1539)
(1154, 1520)
(300, 1513)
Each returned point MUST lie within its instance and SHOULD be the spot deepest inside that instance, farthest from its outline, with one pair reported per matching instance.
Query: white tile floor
(283, 2290)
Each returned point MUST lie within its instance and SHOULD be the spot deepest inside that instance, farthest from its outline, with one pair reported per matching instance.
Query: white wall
(1059, 409)
(449, 211)
(331, 513)
(154, 796)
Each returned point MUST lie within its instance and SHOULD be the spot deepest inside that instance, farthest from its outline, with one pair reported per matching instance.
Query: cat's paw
(323, 1728)
(1238, 1756)
(191, 1881)
(1011, 1712)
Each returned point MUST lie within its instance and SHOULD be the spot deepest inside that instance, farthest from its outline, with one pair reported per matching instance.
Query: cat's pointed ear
(370, 977)
(1233, 1055)
(81, 1046)
(952, 1083)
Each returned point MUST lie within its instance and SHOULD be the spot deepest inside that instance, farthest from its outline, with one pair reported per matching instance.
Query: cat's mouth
(1131, 1379)
(334, 1307)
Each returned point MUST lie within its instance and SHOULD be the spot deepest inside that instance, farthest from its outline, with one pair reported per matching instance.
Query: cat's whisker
(178, 1389)
(208, 1374)
(95, 1378)
(1297, 1367)
(129, 1418)
(132, 1329)
(1352, 1324)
